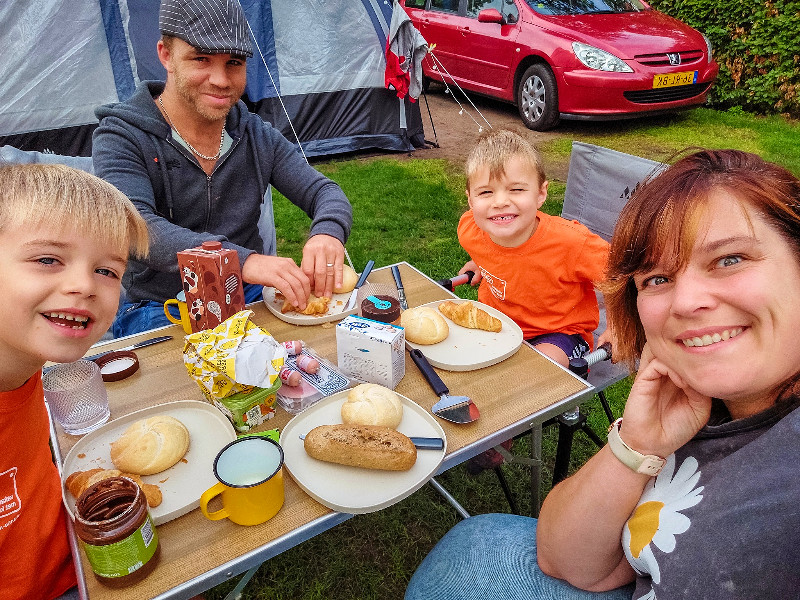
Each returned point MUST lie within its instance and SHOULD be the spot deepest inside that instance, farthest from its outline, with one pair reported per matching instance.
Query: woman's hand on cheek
(662, 412)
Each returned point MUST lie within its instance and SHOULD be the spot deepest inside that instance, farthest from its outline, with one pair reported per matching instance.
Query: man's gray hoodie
(133, 148)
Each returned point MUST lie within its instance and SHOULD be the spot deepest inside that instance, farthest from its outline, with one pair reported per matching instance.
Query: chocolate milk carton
(212, 281)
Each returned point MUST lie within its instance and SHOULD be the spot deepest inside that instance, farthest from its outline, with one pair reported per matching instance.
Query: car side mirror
(491, 15)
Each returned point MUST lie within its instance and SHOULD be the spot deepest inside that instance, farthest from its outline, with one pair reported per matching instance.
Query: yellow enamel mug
(250, 475)
(183, 310)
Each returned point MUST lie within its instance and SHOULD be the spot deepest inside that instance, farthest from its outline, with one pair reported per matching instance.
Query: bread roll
(424, 325)
(372, 404)
(150, 445)
(468, 315)
(349, 280)
(366, 446)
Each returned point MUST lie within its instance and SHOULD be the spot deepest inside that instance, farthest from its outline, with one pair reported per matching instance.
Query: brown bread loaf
(366, 446)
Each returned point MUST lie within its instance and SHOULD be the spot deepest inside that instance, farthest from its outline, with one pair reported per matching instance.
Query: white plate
(467, 349)
(182, 484)
(352, 489)
(335, 312)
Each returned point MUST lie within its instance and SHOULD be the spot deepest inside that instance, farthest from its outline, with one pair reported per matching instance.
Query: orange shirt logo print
(9, 499)
(496, 285)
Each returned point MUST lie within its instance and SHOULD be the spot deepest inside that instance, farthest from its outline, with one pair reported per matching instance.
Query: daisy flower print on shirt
(657, 518)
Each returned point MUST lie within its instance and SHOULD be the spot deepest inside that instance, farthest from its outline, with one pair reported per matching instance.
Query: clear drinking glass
(76, 396)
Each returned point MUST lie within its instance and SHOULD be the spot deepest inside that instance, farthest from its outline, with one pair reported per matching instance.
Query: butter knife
(401, 294)
(141, 344)
(351, 303)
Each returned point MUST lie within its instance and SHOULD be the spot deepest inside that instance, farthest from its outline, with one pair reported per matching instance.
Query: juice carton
(212, 281)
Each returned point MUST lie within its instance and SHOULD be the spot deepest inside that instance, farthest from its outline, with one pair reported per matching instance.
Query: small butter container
(117, 365)
(313, 386)
(371, 351)
(249, 409)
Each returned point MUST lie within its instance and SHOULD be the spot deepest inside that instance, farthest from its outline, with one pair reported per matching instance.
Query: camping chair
(599, 183)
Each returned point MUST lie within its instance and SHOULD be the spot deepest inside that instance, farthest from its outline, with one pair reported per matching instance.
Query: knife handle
(427, 443)
(427, 371)
(396, 274)
(365, 273)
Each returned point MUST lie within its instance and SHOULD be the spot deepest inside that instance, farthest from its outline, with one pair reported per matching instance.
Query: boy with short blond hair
(65, 237)
(538, 269)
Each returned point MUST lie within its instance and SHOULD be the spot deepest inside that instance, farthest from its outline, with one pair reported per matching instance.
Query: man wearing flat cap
(197, 163)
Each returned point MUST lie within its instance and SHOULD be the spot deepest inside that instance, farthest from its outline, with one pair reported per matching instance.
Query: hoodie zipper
(180, 148)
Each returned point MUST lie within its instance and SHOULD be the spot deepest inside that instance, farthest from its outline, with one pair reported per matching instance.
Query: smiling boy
(65, 237)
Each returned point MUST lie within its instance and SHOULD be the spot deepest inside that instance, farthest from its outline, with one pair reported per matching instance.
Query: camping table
(515, 395)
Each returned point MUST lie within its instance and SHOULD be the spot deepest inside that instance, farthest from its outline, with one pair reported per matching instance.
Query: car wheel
(537, 98)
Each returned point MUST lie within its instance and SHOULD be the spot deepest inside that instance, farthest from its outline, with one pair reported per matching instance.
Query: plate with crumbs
(274, 301)
(182, 484)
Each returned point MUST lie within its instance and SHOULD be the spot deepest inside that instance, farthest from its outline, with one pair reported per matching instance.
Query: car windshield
(585, 7)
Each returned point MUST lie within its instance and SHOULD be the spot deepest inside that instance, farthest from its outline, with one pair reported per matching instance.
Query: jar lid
(117, 365)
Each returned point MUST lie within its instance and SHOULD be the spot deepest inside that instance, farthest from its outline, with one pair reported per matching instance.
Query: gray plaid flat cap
(211, 26)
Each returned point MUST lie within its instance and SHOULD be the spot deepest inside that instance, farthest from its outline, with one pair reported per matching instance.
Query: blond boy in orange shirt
(65, 237)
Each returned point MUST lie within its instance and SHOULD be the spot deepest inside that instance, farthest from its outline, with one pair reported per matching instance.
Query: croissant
(79, 481)
(314, 306)
(467, 314)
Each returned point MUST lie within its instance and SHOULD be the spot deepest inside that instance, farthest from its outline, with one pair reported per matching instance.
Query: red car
(566, 59)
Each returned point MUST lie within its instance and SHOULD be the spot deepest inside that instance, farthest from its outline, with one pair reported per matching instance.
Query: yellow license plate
(673, 79)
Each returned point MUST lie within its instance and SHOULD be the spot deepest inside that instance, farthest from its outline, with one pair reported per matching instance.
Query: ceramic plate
(335, 312)
(468, 349)
(352, 489)
(182, 484)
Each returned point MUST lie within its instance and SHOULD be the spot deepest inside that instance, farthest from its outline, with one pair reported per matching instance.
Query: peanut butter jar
(117, 532)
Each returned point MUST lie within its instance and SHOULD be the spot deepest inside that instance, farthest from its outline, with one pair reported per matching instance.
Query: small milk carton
(212, 281)
(371, 351)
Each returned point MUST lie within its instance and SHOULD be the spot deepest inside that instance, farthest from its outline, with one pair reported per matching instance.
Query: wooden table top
(511, 395)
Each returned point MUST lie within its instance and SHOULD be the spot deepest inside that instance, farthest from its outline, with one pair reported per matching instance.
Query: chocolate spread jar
(116, 531)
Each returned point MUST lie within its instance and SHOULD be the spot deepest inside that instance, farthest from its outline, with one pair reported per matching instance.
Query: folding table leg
(449, 497)
(236, 592)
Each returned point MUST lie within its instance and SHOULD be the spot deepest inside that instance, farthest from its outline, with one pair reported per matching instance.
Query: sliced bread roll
(150, 445)
(365, 446)
(372, 404)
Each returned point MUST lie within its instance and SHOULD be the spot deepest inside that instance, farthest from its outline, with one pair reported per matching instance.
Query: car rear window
(585, 7)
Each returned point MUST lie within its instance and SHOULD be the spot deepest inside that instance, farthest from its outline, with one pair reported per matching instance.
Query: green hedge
(757, 46)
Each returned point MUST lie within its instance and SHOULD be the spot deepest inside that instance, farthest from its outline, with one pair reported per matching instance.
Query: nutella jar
(116, 531)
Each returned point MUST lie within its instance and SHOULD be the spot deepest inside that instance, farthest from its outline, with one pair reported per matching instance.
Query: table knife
(351, 303)
(142, 344)
(401, 294)
(135, 346)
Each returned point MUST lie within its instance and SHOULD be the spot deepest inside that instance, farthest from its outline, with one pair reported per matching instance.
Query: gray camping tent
(325, 63)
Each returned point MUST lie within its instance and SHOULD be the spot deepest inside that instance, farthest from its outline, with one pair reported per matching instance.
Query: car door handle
(464, 30)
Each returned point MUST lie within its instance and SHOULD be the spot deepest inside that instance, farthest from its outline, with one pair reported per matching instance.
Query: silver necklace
(192, 148)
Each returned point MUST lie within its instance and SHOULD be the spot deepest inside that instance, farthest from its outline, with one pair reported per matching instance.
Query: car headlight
(708, 46)
(594, 58)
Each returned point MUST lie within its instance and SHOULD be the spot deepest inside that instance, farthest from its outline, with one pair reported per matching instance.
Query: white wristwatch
(647, 464)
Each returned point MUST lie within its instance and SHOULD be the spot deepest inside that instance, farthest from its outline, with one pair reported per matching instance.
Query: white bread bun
(424, 325)
(365, 446)
(372, 404)
(150, 445)
(349, 280)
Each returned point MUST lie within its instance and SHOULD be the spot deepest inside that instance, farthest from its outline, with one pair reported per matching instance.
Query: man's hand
(281, 273)
(323, 257)
(472, 266)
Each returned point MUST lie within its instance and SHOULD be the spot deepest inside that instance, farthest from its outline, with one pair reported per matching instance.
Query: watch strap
(647, 464)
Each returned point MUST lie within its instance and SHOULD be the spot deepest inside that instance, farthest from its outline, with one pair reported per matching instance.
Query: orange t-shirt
(35, 559)
(546, 285)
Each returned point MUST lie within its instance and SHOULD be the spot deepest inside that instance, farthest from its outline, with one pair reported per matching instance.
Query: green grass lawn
(407, 209)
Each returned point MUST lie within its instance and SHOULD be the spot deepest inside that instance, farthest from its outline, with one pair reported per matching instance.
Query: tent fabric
(325, 62)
